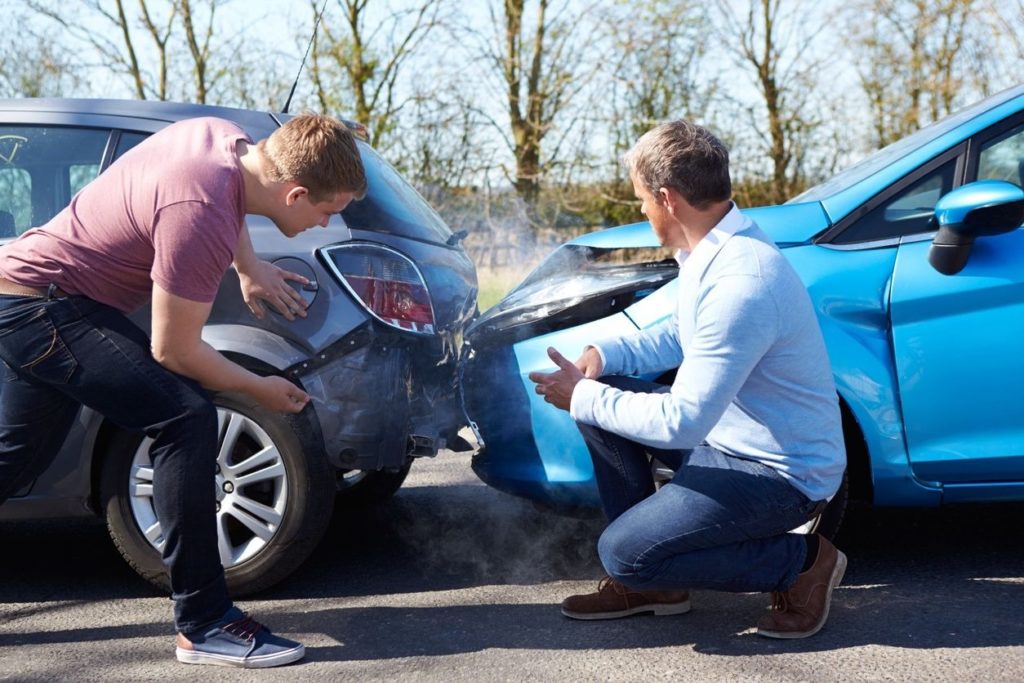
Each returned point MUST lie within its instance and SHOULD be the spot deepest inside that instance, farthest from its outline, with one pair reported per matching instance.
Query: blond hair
(317, 152)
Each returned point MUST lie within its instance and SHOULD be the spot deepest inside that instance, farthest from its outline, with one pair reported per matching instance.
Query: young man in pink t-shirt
(160, 227)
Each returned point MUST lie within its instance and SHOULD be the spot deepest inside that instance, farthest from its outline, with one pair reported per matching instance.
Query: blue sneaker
(238, 640)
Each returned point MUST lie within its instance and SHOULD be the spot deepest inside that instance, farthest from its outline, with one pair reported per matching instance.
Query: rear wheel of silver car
(274, 497)
(363, 488)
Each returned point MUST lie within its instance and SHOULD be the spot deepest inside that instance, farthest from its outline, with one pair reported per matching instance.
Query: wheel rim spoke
(258, 527)
(142, 490)
(269, 515)
(253, 462)
(275, 471)
(227, 557)
(236, 423)
(154, 534)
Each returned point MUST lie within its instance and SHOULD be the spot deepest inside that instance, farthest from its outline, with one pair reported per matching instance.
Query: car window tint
(1003, 158)
(41, 168)
(79, 176)
(391, 205)
(15, 201)
(908, 212)
(127, 141)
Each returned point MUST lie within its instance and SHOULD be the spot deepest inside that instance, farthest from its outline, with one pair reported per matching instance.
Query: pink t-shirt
(169, 211)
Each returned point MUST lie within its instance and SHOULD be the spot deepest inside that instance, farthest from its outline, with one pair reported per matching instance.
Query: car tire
(300, 492)
(366, 488)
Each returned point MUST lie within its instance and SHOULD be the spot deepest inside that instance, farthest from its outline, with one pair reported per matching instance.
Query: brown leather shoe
(802, 610)
(613, 600)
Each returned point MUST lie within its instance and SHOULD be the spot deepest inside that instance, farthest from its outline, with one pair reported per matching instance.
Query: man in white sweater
(750, 424)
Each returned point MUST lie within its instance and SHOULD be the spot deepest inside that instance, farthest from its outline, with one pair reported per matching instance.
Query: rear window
(391, 205)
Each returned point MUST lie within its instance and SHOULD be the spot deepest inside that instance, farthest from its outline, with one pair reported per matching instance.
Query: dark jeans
(61, 352)
(721, 523)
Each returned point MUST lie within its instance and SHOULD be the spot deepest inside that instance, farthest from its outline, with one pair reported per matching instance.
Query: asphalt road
(454, 581)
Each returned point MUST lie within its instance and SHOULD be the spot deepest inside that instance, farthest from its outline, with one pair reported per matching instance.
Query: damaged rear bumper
(380, 398)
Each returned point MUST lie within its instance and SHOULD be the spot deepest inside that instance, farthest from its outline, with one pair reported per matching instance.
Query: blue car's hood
(786, 224)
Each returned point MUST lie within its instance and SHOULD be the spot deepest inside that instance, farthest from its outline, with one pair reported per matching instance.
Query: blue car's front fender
(850, 292)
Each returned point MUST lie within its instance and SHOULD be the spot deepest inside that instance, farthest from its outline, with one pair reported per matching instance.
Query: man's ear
(668, 198)
(294, 194)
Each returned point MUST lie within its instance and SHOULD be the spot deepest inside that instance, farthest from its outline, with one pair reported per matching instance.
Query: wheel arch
(858, 459)
(306, 423)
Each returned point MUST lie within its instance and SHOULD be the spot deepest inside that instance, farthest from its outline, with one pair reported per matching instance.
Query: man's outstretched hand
(557, 387)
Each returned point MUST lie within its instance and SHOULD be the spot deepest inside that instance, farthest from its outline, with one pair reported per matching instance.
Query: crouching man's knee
(621, 558)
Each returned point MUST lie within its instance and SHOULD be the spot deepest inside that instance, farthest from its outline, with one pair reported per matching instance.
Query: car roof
(844, 192)
(142, 109)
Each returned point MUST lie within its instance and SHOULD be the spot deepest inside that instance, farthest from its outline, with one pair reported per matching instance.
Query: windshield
(885, 156)
(391, 205)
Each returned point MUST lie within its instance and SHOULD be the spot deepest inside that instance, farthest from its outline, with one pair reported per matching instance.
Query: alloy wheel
(251, 486)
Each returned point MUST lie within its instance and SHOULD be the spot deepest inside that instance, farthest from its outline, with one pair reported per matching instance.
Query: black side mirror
(979, 209)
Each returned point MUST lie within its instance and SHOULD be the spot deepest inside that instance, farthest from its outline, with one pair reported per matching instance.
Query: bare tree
(653, 70)
(912, 61)
(540, 72)
(34, 65)
(656, 65)
(118, 49)
(1000, 65)
(198, 39)
(357, 69)
(776, 40)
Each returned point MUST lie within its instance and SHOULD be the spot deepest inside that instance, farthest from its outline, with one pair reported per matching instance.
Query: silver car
(390, 294)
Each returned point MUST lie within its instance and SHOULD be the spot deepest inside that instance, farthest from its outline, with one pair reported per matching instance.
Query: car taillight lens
(386, 282)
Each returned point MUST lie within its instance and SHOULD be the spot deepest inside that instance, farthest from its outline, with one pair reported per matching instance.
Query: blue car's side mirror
(979, 209)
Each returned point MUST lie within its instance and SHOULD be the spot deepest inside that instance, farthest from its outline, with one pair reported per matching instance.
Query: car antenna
(320, 16)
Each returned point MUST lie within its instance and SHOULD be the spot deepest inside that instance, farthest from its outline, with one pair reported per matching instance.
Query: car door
(957, 345)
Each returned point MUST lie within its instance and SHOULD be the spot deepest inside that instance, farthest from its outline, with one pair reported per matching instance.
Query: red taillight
(387, 283)
(400, 303)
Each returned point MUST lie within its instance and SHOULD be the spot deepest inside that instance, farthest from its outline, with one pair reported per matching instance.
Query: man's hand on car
(279, 394)
(264, 282)
(590, 363)
(557, 387)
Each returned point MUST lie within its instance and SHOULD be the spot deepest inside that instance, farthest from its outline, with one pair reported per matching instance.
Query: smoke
(503, 232)
(486, 536)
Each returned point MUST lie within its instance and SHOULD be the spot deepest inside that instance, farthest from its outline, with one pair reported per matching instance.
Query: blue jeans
(59, 353)
(721, 523)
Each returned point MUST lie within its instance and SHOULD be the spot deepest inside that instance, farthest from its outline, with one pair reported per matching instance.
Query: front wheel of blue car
(274, 497)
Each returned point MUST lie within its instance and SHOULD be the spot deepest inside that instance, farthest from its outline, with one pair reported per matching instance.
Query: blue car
(915, 266)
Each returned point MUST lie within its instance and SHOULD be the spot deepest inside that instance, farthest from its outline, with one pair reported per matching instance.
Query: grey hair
(684, 157)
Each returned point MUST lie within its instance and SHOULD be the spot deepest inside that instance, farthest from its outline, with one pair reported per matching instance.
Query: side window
(908, 212)
(41, 168)
(1003, 158)
(15, 200)
(79, 176)
(127, 141)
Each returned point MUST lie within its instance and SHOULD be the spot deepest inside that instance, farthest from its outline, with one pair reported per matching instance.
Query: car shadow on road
(64, 560)
(946, 578)
(915, 615)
